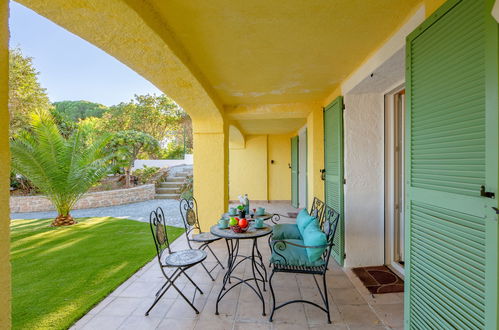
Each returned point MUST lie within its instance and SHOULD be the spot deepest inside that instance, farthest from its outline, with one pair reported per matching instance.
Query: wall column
(315, 147)
(5, 269)
(211, 174)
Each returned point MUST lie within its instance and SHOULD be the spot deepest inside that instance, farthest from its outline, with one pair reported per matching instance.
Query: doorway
(302, 168)
(394, 180)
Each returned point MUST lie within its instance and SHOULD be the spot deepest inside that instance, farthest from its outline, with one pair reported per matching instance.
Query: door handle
(323, 174)
(495, 209)
(487, 194)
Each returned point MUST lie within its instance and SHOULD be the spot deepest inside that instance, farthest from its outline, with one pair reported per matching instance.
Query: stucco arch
(139, 38)
(236, 138)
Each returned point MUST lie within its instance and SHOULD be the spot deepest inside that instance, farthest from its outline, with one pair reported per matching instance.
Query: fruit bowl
(237, 229)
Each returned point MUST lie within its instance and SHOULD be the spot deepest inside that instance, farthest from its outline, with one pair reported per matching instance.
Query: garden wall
(146, 192)
(139, 163)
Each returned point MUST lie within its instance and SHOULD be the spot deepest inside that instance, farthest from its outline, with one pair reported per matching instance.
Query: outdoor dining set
(303, 247)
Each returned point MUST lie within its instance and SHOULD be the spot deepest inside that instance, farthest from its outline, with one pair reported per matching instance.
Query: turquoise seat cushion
(314, 236)
(292, 255)
(286, 231)
(303, 220)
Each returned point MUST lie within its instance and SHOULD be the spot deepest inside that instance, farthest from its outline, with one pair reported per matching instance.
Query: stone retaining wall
(20, 204)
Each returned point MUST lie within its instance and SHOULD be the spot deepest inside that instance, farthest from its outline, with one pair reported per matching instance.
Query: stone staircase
(171, 186)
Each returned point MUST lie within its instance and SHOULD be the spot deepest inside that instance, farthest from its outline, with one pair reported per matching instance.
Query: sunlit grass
(60, 273)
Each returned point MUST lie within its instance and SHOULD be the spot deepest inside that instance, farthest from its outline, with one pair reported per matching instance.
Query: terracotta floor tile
(351, 305)
(392, 315)
(171, 324)
(359, 315)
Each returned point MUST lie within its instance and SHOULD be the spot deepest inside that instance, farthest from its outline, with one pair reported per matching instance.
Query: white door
(394, 180)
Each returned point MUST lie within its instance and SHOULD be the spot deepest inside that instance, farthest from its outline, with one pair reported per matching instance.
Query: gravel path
(136, 211)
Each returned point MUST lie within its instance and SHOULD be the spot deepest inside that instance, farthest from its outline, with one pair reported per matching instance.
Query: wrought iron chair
(178, 260)
(316, 210)
(280, 264)
(189, 212)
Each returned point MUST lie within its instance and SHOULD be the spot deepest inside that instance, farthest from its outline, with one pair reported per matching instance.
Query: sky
(70, 67)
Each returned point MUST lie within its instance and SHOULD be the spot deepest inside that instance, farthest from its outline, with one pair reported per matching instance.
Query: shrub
(146, 173)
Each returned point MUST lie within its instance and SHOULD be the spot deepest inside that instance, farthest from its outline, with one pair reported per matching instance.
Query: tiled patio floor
(352, 307)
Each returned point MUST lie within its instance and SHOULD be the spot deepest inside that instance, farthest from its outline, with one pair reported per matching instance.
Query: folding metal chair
(178, 260)
(189, 212)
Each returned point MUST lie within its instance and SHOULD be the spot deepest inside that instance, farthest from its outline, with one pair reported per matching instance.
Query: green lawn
(58, 274)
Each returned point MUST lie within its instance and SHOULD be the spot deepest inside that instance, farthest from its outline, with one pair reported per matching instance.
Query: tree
(66, 126)
(157, 116)
(76, 110)
(63, 169)
(126, 147)
(26, 96)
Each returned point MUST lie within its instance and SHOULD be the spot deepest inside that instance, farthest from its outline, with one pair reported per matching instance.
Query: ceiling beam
(270, 111)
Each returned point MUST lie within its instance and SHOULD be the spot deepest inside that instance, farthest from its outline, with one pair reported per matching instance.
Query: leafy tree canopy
(76, 110)
(26, 96)
(158, 116)
(126, 147)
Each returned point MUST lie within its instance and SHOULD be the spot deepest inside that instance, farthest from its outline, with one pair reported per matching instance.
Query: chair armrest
(275, 218)
(284, 243)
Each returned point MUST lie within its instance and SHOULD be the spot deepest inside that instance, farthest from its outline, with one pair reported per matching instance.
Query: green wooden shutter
(333, 164)
(451, 145)
(294, 171)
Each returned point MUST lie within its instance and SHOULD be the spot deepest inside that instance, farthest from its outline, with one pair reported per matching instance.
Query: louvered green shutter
(333, 164)
(294, 171)
(452, 147)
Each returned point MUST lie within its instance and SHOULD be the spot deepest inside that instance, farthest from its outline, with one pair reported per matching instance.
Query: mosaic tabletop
(252, 232)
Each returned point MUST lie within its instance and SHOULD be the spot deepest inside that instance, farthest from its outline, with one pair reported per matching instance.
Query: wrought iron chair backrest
(317, 210)
(157, 224)
(189, 212)
(331, 218)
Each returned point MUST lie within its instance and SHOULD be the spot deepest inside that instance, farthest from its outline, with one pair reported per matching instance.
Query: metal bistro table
(258, 268)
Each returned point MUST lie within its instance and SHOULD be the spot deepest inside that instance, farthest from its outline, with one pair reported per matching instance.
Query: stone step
(169, 190)
(167, 196)
(175, 179)
(170, 184)
(182, 174)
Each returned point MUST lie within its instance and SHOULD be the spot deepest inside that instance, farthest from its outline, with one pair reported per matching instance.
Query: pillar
(211, 174)
(5, 269)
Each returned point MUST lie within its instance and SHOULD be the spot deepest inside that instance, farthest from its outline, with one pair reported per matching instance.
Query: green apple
(232, 221)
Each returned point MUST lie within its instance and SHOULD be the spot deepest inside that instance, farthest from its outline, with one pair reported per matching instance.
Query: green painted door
(451, 152)
(333, 164)
(294, 171)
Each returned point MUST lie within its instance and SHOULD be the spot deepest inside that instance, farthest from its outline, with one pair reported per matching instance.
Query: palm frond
(63, 169)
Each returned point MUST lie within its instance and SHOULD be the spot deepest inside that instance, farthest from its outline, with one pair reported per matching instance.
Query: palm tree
(63, 169)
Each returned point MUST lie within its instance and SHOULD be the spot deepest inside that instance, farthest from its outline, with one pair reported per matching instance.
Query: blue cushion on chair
(314, 236)
(303, 220)
(285, 231)
(293, 255)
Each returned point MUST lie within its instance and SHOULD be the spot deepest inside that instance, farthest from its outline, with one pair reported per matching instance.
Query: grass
(60, 273)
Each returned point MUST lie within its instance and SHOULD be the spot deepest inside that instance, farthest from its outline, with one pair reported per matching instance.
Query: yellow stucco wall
(279, 150)
(432, 5)
(251, 171)
(248, 169)
(4, 172)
